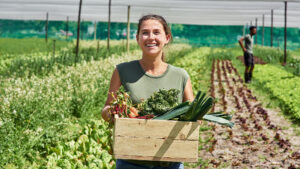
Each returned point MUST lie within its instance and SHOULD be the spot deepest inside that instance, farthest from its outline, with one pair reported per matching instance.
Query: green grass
(296, 53)
(43, 64)
(12, 47)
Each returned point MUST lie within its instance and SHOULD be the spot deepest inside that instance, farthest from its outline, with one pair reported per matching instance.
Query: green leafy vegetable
(160, 102)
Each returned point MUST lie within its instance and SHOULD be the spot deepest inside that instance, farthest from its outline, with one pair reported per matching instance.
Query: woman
(149, 74)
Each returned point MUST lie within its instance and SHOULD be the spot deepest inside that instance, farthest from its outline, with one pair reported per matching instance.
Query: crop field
(51, 102)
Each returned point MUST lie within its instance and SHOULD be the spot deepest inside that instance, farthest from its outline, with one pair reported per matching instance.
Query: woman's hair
(161, 20)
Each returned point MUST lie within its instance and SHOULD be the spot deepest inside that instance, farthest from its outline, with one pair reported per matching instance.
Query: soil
(257, 60)
(260, 138)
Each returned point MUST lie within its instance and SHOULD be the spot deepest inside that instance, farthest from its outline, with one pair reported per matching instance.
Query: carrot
(134, 111)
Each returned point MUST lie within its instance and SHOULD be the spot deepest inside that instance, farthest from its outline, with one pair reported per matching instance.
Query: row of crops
(53, 120)
(276, 56)
(49, 58)
(50, 103)
(282, 85)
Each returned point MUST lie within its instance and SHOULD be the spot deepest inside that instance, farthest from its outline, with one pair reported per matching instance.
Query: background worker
(248, 53)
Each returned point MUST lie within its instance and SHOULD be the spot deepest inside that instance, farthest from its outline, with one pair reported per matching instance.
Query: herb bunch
(160, 102)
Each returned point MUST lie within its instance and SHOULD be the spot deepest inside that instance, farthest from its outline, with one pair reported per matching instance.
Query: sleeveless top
(141, 85)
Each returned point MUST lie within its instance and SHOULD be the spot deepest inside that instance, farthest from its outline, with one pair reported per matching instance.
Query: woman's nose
(151, 35)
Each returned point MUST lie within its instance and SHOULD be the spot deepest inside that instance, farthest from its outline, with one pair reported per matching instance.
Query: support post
(263, 30)
(54, 48)
(256, 30)
(108, 26)
(272, 12)
(95, 30)
(67, 28)
(98, 46)
(243, 30)
(128, 28)
(46, 27)
(81, 29)
(78, 31)
(285, 31)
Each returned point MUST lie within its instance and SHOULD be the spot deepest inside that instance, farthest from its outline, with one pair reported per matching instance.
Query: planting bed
(260, 138)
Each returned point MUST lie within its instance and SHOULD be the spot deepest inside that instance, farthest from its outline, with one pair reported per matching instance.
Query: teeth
(151, 45)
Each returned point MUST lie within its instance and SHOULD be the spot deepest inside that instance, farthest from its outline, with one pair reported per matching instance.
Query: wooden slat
(157, 129)
(156, 140)
(150, 158)
(159, 149)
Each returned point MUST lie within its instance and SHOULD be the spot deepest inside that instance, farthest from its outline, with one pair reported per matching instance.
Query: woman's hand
(114, 86)
(106, 114)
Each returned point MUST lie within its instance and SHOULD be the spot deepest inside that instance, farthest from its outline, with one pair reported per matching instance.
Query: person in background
(248, 53)
(141, 78)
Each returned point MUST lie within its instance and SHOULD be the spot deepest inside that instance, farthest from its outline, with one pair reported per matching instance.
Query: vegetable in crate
(198, 108)
(160, 102)
(190, 111)
(122, 105)
(219, 118)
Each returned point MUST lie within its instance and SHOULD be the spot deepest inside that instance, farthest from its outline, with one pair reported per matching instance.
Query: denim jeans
(122, 164)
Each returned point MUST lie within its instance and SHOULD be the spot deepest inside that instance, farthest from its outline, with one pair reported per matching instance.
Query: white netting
(175, 11)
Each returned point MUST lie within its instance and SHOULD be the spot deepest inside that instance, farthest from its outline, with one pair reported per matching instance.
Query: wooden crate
(156, 140)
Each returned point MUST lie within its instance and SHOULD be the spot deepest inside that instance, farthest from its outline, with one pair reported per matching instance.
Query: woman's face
(152, 37)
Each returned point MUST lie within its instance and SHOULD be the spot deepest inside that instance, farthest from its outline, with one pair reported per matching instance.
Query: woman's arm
(115, 84)
(188, 91)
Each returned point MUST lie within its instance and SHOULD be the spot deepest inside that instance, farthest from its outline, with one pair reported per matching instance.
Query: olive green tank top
(141, 86)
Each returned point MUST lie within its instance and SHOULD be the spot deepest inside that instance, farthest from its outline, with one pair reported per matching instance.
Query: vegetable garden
(50, 114)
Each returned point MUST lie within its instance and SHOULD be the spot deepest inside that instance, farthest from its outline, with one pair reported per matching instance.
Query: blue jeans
(122, 164)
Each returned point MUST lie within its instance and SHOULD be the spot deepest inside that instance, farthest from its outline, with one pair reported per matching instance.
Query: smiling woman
(155, 32)
(141, 78)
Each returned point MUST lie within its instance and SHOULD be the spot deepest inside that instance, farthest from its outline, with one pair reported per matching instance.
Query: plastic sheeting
(213, 12)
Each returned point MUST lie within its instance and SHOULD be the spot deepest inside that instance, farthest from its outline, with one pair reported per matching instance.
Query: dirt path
(260, 138)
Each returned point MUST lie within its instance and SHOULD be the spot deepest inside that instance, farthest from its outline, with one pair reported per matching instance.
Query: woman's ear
(137, 37)
(168, 37)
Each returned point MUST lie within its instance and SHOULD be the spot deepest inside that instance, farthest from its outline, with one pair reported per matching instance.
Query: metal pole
(263, 31)
(81, 30)
(108, 27)
(95, 30)
(98, 45)
(244, 31)
(246, 28)
(78, 31)
(285, 30)
(250, 23)
(53, 48)
(46, 27)
(272, 28)
(128, 28)
(256, 30)
(67, 28)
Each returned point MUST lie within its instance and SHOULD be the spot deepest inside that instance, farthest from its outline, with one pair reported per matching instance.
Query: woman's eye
(144, 33)
(156, 32)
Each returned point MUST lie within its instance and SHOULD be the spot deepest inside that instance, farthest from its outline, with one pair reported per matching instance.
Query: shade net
(194, 21)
